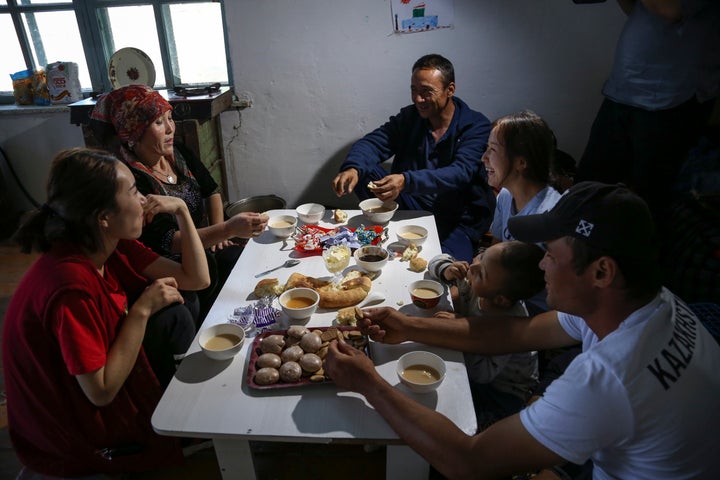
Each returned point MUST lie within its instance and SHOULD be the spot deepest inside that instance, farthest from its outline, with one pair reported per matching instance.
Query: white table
(210, 399)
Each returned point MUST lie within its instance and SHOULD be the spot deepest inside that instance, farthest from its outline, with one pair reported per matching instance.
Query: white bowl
(378, 211)
(371, 265)
(282, 226)
(412, 234)
(299, 313)
(424, 382)
(227, 335)
(310, 213)
(426, 301)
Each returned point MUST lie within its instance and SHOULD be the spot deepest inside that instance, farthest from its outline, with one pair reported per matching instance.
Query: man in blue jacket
(438, 143)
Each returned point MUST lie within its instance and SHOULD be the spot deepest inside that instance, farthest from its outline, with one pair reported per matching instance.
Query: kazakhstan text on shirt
(673, 360)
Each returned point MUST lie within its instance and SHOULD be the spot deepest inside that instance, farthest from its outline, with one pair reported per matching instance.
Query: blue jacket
(446, 178)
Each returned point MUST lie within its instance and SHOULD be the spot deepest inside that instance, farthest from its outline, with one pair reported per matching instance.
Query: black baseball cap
(611, 218)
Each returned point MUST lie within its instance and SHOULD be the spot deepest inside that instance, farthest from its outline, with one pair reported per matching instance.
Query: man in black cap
(636, 401)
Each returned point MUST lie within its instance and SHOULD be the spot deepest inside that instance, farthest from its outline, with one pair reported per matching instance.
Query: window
(185, 39)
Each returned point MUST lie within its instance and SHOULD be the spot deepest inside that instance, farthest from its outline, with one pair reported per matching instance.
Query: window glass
(11, 57)
(135, 27)
(43, 2)
(196, 31)
(54, 37)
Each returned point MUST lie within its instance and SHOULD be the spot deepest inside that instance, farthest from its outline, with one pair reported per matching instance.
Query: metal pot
(258, 204)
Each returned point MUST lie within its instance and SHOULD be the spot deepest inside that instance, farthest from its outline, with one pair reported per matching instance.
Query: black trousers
(641, 148)
(168, 335)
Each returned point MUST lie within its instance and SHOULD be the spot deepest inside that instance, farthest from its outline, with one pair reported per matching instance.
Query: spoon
(288, 263)
(374, 297)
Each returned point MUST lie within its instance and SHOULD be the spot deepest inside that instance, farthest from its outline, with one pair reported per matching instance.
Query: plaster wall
(321, 74)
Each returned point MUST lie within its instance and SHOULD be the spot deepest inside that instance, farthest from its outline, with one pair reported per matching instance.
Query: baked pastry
(371, 186)
(418, 264)
(268, 287)
(410, 252)
(340, 216)
(349, 316)
(351, 290)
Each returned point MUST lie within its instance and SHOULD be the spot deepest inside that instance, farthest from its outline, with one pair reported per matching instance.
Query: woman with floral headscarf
(141, 121)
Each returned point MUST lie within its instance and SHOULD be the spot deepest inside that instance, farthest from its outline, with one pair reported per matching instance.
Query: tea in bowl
(412, 234)
(310, 213)
(282, 226)
(426, 293)
(372, 258)
(299, 303)
(378, 211)
(421, 371)
(221, 341)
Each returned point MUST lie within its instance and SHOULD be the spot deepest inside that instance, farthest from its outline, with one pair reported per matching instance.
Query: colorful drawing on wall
(412, 16)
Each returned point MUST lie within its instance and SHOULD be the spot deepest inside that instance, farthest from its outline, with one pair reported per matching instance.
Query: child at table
(497, 281)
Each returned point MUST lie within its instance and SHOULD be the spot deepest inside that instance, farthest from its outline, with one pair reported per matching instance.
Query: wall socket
(242, 100)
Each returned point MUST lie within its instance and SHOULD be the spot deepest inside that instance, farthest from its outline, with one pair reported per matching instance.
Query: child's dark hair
(81, 185)
(525, 278)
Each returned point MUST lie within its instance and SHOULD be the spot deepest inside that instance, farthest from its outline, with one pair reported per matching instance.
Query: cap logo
(584, 228)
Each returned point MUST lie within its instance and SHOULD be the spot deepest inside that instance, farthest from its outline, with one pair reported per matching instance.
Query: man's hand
(388, 188)
(348, 367)
(345, 182)
(384, 324)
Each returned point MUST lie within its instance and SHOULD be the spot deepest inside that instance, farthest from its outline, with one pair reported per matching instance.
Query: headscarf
(130, 110)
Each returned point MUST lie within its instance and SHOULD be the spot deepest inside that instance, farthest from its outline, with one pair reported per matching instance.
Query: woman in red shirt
(80, 389)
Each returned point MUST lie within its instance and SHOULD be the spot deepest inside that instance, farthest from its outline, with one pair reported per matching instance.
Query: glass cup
(336, 258)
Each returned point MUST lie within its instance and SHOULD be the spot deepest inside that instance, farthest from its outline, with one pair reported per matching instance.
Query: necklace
(170, 177)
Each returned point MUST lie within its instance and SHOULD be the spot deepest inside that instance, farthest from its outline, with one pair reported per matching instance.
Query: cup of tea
(426, 293)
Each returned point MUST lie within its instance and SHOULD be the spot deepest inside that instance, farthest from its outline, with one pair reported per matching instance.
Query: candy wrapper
(312, 239)
(256, 317)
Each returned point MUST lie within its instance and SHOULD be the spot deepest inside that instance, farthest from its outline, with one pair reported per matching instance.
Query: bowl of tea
(420, 371)
(370, 257)
(412, 234)
(299, 303)
(282, 226)
(378, 211)
(426, 293)
(221, 341)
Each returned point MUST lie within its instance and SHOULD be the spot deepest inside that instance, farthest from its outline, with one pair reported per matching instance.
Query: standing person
(636, 400)
(497, 281)
(517, 160)
(437, 143)
(658, 97)
(80, 389)
(137, 120)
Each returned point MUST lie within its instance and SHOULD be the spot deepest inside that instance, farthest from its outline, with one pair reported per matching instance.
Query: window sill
(32, 109)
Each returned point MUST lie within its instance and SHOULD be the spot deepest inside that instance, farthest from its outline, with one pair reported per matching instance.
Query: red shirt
(61, 322)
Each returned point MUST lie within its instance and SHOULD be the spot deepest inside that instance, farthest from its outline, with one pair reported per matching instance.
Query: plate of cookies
(293, 357)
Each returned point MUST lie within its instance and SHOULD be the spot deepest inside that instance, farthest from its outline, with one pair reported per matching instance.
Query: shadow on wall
(319, 190)
(30, 147)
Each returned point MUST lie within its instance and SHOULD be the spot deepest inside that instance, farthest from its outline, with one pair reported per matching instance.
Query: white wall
(323, 73)
(30, 141)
